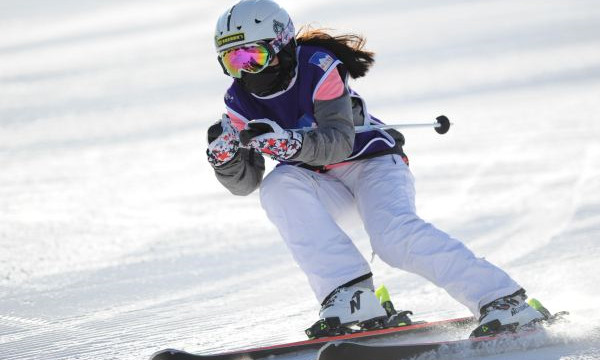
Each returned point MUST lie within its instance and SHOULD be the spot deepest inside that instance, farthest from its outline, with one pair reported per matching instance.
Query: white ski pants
(304, 206)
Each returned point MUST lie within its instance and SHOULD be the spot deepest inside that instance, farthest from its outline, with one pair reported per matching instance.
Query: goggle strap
(223, 66)
(283, 38)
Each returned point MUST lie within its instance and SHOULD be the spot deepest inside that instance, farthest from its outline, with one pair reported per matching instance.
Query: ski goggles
(251, 58)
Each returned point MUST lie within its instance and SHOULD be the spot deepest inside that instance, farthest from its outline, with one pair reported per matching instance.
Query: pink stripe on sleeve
(331, 88)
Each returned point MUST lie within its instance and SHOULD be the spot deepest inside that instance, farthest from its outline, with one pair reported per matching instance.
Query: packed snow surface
(116, 239)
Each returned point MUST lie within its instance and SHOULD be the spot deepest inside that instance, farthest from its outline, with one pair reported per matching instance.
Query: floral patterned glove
(223, 142)
(269, 138)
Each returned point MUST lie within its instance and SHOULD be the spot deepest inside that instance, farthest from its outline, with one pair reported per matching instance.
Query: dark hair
(348, 48)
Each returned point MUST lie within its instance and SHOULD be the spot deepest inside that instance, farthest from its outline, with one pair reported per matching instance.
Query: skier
(290, 100)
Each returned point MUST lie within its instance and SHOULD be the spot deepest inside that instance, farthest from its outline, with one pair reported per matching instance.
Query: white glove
(269, 138)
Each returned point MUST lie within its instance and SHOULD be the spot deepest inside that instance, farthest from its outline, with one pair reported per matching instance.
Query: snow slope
(116, 240)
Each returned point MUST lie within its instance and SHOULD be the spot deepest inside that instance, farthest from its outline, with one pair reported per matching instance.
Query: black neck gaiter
(266, 82)
(273, 78)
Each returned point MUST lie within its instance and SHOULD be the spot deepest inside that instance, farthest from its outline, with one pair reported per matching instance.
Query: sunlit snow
(116, 240)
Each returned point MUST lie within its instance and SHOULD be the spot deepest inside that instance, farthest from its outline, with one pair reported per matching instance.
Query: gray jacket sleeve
(243, 174)
(333, 140)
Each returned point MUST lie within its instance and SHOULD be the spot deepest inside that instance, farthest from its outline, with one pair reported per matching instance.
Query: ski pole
(441, 126)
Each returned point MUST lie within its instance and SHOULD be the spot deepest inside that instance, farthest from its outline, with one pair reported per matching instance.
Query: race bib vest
(293, 108)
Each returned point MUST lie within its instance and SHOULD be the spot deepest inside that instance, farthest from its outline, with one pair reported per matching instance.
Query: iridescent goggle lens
(249, 58)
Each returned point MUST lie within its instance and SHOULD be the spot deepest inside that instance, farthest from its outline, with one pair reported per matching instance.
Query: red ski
(490, 344)
(315, 344)
(354, 351)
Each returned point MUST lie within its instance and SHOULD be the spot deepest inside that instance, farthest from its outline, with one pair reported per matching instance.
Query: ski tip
(166, 354)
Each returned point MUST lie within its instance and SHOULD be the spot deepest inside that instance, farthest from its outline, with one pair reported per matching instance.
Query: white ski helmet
(250, 21)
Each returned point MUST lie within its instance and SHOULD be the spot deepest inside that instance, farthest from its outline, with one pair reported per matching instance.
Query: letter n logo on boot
(355, 302)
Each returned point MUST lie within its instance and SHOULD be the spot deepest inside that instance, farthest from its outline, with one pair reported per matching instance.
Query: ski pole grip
(443, 124)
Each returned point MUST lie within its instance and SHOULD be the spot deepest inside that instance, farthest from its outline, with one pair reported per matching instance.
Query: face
(265, 82)
(273, 75)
